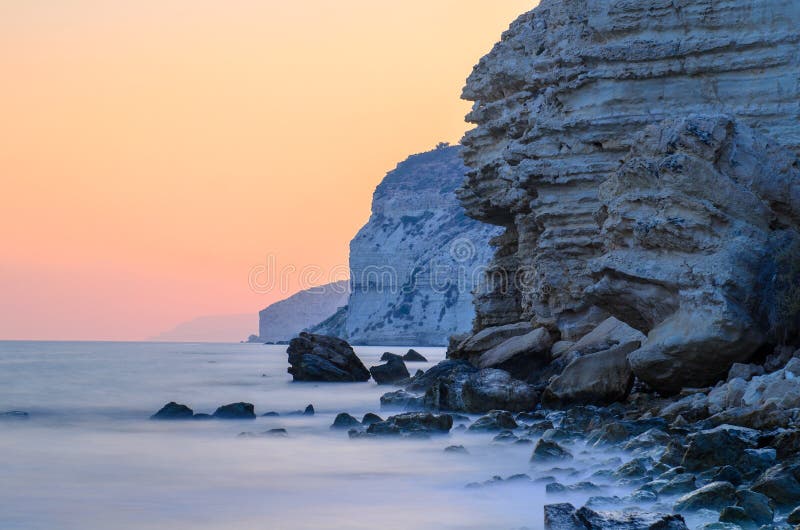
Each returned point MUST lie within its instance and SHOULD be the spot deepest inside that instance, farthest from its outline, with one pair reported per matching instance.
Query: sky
(162, 160)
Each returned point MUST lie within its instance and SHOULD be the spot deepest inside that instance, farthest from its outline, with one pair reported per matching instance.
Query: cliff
(283, 320)
(414, 264)
(566, 98)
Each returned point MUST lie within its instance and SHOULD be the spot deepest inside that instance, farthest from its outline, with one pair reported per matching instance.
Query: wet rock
(636, 468)
(389, 355)
(370, 418)
(413, 356)
(309, 411)
(648, 440)
(714, 496)
(727, 474)
(236, 411)
(326, 359)
(344, 420)
(786, 444)
(412, 423)
(738, 516)
(566, 517)
(794, 516)
(402, 400)
(392, 371)
(679, 485)
(173, 411)
(757, 506)
(270, 414)
(781, 483)
(496, 420)
(497, 390)
(722, 445)
(520, 355)
(547, 451)
(456, 449)
(505, 437)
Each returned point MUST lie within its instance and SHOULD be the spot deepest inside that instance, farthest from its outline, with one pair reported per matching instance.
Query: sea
(89, 458)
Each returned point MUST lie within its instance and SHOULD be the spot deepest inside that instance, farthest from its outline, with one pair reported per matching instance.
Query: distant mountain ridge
(211, 328)
(283, 320)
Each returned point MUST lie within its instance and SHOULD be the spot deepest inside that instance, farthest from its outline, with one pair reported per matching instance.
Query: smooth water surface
(89, 458)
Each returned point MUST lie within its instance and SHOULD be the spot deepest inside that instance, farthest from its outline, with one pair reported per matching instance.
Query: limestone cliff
(283, 320)
(414, 264)
(559, 104)
(560, 99)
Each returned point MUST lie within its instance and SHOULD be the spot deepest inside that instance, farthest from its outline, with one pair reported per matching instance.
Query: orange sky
(153, 152)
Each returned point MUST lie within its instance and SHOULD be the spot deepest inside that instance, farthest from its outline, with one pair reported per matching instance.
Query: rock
(497, 420)
(344, 420)
(505, 437)
(453, 370)
(597, 378)
(173, 411)
(521, 355)
(757, 506)
(22, 415)
(497, 390)
(400, 399)
(456, 449)
(389, 355)
(325, 359)
(235, 411)
(202, 417)
(786, 444)
(679, 485)
(738, 516)
(609, 334)
(270, 414)
(473, 347)
(727, 474)
(781, 483)
(566, 517)
(309, 410)
(562, 98)
(713, 496)
(370, 418)
(277, 433)
(794, 516)
(413, 423)
(722, 445)
(561, 517)
(413, 356)
(744, 371)
(546, 451)
(393, 371)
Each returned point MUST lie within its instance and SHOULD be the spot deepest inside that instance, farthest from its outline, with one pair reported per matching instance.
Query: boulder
(235, 411)
(474, 346)
(344, 420)
(389, 355)
(720, 446)
(521, 355)
(479, 392)
(610, 333)
(413, 423)
(445, 369)
(324, 359)
(370, 418)
(413, 356)
(757, 506)
(548, 451)
(393, 371)
(781, 483)
(744, 371)
(496, 420)
(400, 399)
(309, 411)
(599, 378)
(18, 415)
(713, 496)
(173, 411)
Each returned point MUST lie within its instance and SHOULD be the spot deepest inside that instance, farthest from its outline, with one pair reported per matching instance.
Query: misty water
(89, 458)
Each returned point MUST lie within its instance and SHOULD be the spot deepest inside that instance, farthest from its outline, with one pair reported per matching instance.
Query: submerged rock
(370, 418)
(236, 411)
(566, 517)
(344, 420)
(496, 420)
(173, 411)
(546, 451)
(400, 399)
(324, 359)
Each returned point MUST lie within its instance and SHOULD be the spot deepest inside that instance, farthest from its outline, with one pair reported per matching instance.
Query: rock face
(285, 319)
(412, 266)
(392, 371)
(683, 230)
(322, 358)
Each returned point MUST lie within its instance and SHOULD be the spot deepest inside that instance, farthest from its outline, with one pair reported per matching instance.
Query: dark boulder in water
(392, 371)
(321, 358)
(309, 411)
(345, 421)
(781, 483)
(389, 355)
(566, 517)
(496, 420)
(236, 411)
(413, 423)
(413, 356)
(547, 451)
(370, 418)
(400, 399)
(713, 496)
(173, 411)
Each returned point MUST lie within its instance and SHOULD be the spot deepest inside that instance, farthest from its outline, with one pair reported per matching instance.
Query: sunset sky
(153, 152)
